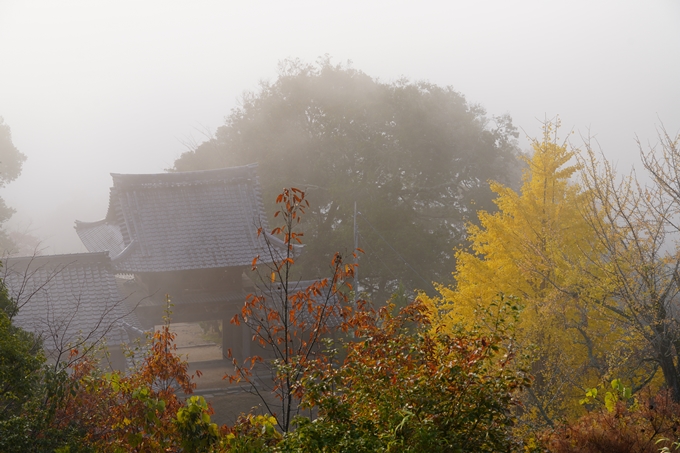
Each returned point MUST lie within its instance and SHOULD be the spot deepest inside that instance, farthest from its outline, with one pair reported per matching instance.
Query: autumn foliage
(403, 388)
(644, 425)
(141, 411)
(541, 313)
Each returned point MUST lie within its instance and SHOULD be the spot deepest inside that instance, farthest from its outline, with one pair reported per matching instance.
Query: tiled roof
(67, 297)
(180, 221)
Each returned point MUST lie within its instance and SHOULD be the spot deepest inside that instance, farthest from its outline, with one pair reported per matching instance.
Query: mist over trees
(414, 156)
(556, 331)
(11, 161)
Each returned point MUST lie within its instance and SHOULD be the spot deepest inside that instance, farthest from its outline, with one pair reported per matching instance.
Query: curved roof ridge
(126, 179)
(81, 223)
(126, 251)
(74, 257)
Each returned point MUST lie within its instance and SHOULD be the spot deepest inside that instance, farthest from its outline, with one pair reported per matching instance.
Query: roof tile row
(67, 297)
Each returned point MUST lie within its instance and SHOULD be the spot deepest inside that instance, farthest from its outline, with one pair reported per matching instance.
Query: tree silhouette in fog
(414, 156)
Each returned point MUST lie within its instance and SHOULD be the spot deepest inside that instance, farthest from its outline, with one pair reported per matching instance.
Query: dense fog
(89, 88)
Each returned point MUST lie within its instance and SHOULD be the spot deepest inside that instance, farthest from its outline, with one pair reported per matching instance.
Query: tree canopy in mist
(11, 161)
(414, 156)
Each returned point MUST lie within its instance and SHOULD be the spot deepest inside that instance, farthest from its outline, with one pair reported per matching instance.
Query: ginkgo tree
(537, 248)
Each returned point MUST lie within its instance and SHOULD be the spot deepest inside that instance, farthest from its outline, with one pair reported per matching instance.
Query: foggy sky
(91, 88)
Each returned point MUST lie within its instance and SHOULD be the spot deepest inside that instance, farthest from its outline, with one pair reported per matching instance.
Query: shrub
(644, 425)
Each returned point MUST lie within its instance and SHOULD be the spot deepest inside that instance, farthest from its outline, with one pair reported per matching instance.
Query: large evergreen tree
(415, 157)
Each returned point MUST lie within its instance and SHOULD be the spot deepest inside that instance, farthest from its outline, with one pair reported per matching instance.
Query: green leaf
(627, 393)
(610, 401)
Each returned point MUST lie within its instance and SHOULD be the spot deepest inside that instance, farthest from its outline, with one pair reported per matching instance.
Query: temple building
(189, 235)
